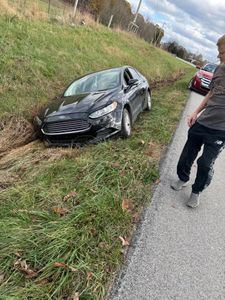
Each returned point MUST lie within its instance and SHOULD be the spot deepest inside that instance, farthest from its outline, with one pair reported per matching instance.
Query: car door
(141, 89)
(133, 94)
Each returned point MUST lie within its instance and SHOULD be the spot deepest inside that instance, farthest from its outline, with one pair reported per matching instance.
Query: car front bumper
(198, 86)
(96, 130)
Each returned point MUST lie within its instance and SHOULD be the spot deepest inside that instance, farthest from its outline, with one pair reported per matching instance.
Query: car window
(107, 81)
(126, 76)
(104, 80)
(134, 74)
(209, 68)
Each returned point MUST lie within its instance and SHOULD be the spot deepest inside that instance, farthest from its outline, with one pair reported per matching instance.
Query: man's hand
(192, 119)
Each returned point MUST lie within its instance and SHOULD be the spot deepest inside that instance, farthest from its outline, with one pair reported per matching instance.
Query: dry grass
(129, 34)
(6, 8)
(88, 19)
(34, 153)
(31, 10)
(15, 132)
(160, 81)
(59, 12)
(7, 179)
(15, 163)
(34, 12)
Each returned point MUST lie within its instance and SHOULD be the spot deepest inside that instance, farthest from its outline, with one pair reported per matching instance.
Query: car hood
(206, 74)
(83, 103)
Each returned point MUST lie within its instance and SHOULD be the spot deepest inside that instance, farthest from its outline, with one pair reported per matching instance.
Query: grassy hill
(38, 59)
(67, 215)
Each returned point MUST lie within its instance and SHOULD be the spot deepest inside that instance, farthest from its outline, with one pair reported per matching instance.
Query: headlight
(104, 111)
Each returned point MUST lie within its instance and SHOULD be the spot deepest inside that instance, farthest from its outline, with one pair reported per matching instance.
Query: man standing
(207, 130)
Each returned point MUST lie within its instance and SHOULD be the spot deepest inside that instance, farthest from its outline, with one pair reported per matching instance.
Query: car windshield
(209, 68)
(101, 81)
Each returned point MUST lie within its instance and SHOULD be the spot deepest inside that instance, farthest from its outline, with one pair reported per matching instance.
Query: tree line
(121, 10)
(178, 50)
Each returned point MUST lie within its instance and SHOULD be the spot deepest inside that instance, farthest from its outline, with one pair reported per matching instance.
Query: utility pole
(132, 25)
(75, 9)
(139, 5)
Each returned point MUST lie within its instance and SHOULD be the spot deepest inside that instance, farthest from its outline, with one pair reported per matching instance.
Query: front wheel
(149, 102)
(126, 124)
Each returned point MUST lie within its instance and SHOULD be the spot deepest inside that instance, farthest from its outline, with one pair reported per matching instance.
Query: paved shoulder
(180, 253)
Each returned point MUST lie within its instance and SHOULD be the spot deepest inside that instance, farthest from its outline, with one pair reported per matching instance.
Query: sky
(196, 25)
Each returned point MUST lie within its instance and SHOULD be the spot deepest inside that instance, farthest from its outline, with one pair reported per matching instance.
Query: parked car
(201, 81)
(95, 106)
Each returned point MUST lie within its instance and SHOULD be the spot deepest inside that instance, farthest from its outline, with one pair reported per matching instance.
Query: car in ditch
(95, 107)
(202, 79)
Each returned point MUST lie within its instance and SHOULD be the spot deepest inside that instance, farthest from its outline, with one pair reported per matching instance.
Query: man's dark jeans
(213, 142)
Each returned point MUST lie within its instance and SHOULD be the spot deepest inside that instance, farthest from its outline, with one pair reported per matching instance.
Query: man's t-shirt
(214, 114)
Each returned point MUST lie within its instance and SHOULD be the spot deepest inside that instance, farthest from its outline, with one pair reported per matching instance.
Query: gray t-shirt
(213, 115)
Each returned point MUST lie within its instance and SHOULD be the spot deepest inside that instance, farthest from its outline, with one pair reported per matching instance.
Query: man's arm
(193, 117)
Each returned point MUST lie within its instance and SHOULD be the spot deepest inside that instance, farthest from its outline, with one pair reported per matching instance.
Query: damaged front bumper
(99, 130)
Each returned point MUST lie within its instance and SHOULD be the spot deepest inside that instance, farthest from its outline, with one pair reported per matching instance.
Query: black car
(95, 106)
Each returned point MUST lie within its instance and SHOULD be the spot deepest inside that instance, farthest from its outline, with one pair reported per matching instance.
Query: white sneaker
(178, 185)
(193, 201)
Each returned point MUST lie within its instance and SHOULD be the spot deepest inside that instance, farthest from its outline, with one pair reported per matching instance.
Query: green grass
(72, 245)
(87, 237)
(39, 59)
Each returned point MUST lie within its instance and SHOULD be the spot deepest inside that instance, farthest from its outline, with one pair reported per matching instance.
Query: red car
(201, 81)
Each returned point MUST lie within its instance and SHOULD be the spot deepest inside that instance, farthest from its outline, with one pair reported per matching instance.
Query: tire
(149, 102)
(126, 124)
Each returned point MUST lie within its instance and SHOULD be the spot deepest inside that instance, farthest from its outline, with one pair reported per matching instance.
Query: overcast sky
(196, 25)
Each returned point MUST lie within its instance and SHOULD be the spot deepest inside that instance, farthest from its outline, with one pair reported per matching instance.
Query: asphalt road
(179, 252)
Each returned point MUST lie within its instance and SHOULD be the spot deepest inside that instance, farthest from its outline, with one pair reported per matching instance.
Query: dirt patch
(157, 83)
(15, 132)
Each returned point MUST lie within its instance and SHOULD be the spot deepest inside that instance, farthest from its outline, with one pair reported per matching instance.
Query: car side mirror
(132, 82)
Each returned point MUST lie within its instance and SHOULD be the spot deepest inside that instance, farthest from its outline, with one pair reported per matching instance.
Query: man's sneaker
(178, 185)
(193, 201)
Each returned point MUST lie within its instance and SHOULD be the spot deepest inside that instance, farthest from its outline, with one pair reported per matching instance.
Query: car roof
(122, 68)
(210, 64)
(114, 68)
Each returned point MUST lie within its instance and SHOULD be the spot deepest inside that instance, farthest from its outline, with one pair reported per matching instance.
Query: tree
(159, 33)
(174, 48)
